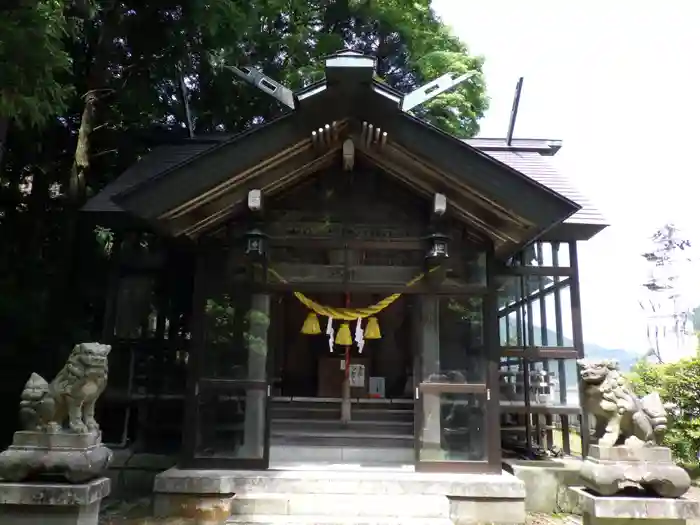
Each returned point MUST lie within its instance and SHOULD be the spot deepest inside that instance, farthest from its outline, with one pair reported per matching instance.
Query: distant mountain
(625, 358)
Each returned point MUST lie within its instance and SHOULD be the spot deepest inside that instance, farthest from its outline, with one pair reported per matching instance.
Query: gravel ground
(137, 512)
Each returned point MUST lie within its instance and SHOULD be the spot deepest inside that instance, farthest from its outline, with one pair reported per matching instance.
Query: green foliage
(233, 331)
(32, 61)
(677, 383)
(411, 45)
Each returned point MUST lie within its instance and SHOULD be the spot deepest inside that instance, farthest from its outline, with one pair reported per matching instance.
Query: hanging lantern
(344, 337)
(311, 325)
(372, 330)
(255, 243)
(438, 246)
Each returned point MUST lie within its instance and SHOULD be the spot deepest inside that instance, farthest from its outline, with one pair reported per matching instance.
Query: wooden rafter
(269, 182)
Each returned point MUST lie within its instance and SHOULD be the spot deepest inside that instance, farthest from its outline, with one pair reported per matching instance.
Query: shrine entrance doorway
(314, 365)
(311, 422)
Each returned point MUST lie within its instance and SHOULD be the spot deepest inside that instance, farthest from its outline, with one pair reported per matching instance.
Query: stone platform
(52, 503)
(292, 456)
(547, 483)
(627, 510)
(340, 494)
(77, 457)
(609, 470)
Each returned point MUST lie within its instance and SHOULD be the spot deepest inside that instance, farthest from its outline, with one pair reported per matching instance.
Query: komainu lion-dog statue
(70, 396)
(621, 416)
(625, 452)
(59, 433)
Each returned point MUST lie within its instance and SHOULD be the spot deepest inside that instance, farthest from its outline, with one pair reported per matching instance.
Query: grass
(574, 441)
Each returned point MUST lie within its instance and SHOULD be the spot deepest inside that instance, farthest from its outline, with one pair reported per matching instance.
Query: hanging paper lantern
(311, 325)
(372, 331)
(344, 337)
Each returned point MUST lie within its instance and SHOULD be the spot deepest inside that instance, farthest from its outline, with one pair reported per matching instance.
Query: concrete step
(328, 425)
(345, 505)
(334, 520)
(346, 438)
(330, 455)
(292, 411)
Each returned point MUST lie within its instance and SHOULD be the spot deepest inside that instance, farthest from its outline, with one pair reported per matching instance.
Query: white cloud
(616, 82)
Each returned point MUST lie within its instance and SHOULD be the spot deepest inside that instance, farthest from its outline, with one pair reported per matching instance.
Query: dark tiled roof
(540, 168)
(528, 156)
(159, 160)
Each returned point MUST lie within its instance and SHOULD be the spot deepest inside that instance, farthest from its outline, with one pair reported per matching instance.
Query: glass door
(456, 417)
(227, 423)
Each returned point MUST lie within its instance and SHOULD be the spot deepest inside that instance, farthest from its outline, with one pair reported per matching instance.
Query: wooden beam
(400, 155)
(328, 242)
(319, 273)
(274, 161)
(428, 189)
(305, 162)
(450, 155)
(208, 196)
(537, 353)
(544, 271)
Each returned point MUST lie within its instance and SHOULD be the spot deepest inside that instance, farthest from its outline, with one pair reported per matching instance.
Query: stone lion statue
(621, 416)
(71, 396)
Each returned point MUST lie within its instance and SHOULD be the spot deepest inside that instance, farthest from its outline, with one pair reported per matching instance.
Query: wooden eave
(494, 199)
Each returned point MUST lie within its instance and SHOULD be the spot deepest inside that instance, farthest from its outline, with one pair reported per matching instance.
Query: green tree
(32, 61)
(678, 383)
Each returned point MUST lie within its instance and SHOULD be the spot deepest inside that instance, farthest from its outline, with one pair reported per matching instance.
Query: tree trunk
(4, 128)
(81, 160)
(77, 184)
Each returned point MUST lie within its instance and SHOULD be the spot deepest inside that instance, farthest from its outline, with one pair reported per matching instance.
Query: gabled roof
(532, 157)
(189, 187)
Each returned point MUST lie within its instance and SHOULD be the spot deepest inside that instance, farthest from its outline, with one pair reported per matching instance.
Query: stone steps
(329, 425)
(313, 454)
(343, 505)
(329, 409)
(334, 520)
(357, 496)
(376, 423)
(340, 439)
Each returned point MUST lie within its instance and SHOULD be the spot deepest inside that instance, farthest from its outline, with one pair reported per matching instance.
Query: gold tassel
(372, 330)
(343, 337)
(311, 325)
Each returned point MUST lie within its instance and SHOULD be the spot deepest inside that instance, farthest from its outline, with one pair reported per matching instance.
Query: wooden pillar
(430, 364)
(577, 328)
(493, 357)
(110, 313)
(257, 346)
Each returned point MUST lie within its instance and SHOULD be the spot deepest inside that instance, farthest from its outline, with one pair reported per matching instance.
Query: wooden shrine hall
(344, 283)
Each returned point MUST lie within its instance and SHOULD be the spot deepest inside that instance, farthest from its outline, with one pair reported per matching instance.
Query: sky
(616, 82)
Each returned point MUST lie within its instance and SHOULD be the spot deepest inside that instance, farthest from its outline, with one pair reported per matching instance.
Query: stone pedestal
(77, 457)
(52, 503)
(607, 471)
(625, 510)
(351, 496)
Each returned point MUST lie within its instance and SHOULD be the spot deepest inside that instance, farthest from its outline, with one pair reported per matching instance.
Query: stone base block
(623, 510)
(200, 508)
(610, 470)
(52, 503)
(547, 483)
(77, 457)
(464, 511)
(362, 495)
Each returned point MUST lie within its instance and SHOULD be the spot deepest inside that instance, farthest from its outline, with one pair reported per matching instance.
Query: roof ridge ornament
(258, 79)
(433, 89)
